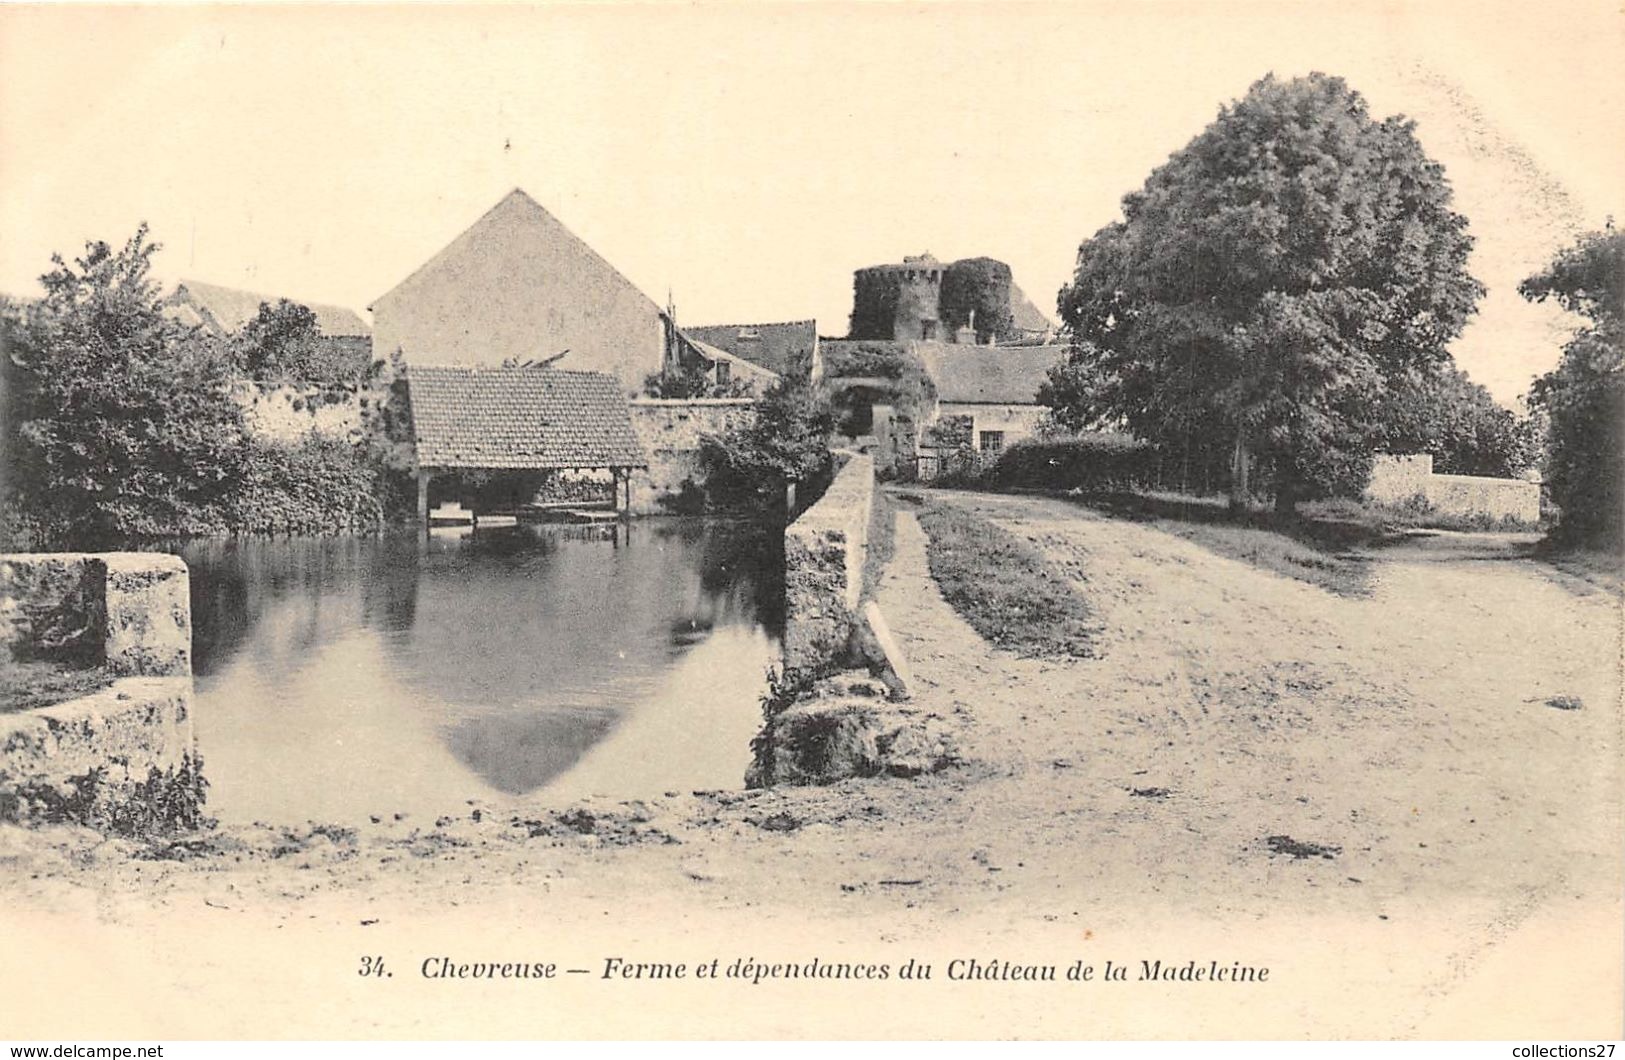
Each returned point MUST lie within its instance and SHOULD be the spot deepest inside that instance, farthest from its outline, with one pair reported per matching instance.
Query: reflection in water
(520, 753)
(352, 676)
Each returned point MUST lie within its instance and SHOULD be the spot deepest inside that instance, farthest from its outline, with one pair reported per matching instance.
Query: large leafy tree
(119, 420)
(1265, 284)
(1584, 397)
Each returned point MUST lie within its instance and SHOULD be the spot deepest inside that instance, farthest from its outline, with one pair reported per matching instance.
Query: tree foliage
(978, 289)
(119, 420)
(1584, 396)
(284, 343)
(693, 382)
(1446, 414)
(120, 423)
(1265, 284)
(786, 443)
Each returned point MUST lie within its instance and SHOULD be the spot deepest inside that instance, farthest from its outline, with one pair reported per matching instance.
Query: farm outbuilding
(522, 428)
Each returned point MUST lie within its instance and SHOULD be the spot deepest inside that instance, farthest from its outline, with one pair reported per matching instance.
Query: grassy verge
(1274, 551)
(1384, 518)
(1002, 587)
(1308, 550)
(882, 542)
(26, 685)
(1604, 568)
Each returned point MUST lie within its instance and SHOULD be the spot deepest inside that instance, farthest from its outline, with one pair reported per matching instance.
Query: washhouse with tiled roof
(517, 426)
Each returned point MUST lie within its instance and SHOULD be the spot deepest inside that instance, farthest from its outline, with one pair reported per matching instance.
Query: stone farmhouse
(224, 311)
(284, 409)
(995, 389)
(778, 347)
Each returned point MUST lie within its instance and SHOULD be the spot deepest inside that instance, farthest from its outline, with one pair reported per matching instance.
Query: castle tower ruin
(897, 302)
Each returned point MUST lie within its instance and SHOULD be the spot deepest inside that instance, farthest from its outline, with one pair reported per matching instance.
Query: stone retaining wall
(824, 552)
(288, 412)
(130, 615)
(1401, 480)
(670, 431)
(841, 708)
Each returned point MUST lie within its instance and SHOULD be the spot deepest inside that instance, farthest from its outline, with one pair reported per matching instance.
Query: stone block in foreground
(124, 754)
(848, 726)
(876, 645)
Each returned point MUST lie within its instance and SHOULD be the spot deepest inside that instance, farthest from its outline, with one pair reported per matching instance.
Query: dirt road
(1374, 798)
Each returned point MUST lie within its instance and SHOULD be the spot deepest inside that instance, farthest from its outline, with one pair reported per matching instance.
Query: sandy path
(1478, 832)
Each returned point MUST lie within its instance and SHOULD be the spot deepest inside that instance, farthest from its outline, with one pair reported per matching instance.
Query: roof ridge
(493, 208)
(481, 368)
(334, 319)
(523, 197)
(763, 324)
(262, 295)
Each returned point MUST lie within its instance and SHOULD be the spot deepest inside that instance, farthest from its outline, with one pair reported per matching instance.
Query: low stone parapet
(123, 755)
(128, 611)
(824, 552)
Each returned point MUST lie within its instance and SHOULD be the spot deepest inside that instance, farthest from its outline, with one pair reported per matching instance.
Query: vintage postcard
(818, 520)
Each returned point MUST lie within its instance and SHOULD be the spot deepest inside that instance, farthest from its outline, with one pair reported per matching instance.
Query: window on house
(992, 441)
(724, 371)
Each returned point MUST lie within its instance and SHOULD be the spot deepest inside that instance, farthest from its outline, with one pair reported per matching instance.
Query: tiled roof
(520, 418)
(746, 370)
(229, 309)
(989, 375)
(1025, 315)
(776, 347)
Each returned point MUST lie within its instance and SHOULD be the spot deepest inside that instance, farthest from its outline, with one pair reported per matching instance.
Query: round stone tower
(897, 301)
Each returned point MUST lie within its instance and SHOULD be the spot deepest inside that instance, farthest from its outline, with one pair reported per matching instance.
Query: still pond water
(349, 677)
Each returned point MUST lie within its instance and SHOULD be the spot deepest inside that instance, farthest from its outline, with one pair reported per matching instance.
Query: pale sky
(749, 157)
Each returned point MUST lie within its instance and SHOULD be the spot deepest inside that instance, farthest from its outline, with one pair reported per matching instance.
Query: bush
(868, 360)
(118, 421)
(787, 442)
(1584, 396)
(317, 485)
(1098, 463)
(284, 344)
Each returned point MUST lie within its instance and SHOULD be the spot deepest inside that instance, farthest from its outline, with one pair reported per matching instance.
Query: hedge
(1103, 463)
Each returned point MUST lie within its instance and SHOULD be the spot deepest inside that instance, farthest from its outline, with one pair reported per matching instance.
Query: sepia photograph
(808, 521)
